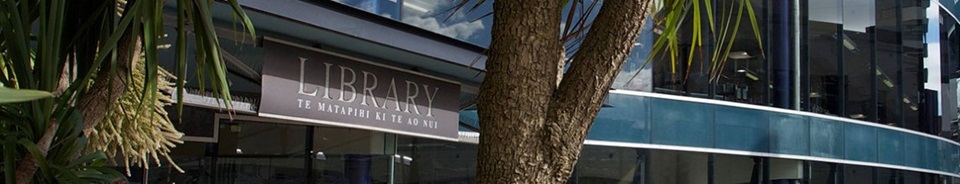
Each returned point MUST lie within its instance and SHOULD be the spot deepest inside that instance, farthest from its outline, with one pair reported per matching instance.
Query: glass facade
(861, 60)
(261, 152)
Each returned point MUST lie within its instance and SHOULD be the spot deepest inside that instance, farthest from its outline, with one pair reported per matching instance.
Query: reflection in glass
(343, 155)
(889, 102)
(189, 156)
(857, 37)
(824, 173)
(678, 167)
(261, 153)
(823, 56)
(431, 161)
(600, 164)
(743, 74)
(637, 73)
(857, 174)
(385, 8)
(783, 171)
(885, 175)
(438, 16)
(950, 72)
(914, 27)
(730, 169)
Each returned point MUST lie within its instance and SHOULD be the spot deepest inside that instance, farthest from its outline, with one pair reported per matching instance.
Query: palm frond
(78, 41)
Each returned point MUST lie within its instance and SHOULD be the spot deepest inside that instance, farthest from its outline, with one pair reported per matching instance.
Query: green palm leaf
(8, 95)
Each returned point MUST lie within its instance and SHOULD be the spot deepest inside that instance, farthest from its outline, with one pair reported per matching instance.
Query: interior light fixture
(886, 80)
(814, 95)
(751, 76)
(320, 156)
(402, 159)
(888, 83)
(739, 55)
(848, 43)
(857, 116)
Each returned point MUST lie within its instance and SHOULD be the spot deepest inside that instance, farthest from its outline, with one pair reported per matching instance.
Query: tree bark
(27, 167)
(107, 89)
(532, 130)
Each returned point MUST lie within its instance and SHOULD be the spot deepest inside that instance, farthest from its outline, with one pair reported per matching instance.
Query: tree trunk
(107, 89)
(531, 129)
(27, 167)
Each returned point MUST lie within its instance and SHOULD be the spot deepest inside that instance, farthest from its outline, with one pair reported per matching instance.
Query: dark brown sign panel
(316, 86)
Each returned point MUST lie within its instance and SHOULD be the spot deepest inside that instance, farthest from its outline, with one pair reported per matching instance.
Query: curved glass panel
(860, 142)
(741, 129)
(675, 125)
(713, 124)
(891, 142)
(628, 122)
(827, 140)
(788, 134)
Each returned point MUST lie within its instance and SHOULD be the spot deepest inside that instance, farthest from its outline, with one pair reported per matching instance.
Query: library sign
(316, 86)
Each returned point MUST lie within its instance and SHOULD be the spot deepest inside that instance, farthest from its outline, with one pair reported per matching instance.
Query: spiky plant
(136, 132)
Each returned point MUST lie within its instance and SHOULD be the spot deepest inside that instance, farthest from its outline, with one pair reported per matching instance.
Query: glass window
(823, 56)
(889, 102)
(730, 169)
(438, 16)
(784, 171)
(824, 173)
(826, 138)
(890, 144)
(914, 177)
(860, 142)
(742, 129)
(675, 125)
(857, 37)
(857, 174)
(950, 72)
(628, 120)
(637, 72)
(261, 153)
(789, 134)
(342, 155)
(385, 8)
(913, 147)
(913, 22)
(420, 160)
(885, 176)
(189, 156)
(236, 48)
(600, 164)
(678, 167)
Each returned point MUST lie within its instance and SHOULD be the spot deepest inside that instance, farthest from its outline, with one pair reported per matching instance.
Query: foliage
(672, 17)
(670, 21)
(8, 95)
(137, 132)
(59, 47)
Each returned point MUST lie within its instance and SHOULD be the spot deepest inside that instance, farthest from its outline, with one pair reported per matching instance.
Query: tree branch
(28, 166)
(584, 87)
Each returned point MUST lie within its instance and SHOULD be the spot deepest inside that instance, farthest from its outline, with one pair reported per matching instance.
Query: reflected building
(824, 91)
